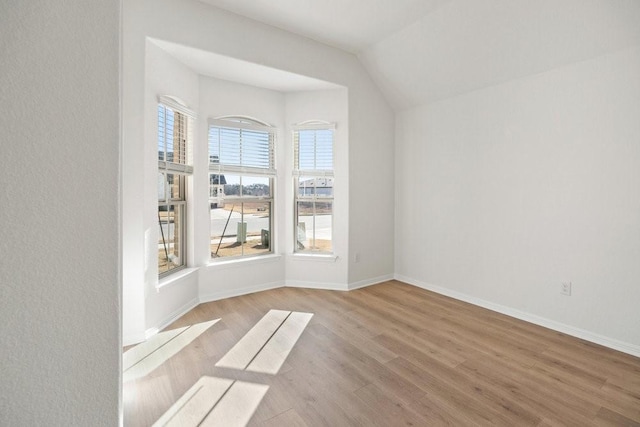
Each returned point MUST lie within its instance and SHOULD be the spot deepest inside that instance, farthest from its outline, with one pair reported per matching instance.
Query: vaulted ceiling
(351, 25)
(421, 51)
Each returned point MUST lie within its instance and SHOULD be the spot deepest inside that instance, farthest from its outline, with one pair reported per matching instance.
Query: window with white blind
(241, 176)
(313, 183)
(174, 168)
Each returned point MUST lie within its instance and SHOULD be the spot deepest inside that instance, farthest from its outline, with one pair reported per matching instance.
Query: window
(174, 168)
(313, 183)
(241, 176)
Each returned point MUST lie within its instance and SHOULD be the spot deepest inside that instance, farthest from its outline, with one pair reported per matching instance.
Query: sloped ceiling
(421, 51)
(349, 25)
(470, 44)
(226, 68)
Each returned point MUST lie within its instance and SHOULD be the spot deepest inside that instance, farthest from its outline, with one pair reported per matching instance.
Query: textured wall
(59, 297)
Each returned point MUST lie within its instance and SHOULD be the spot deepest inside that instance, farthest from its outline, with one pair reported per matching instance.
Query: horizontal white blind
(174, 134)
(313, 152)
(233, 148)
(175, 168)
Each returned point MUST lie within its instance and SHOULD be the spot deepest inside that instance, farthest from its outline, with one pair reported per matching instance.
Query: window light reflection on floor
(266, 346)
(215, 401)
(142, 359)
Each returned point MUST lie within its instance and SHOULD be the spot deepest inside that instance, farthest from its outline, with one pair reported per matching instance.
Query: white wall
(132, 171)
(505, 192)
(59, 269)
(370, 119)
(371, 186)
(220, 278)
(194, 24)
(147, 305)
(329, 106)
(163, 76)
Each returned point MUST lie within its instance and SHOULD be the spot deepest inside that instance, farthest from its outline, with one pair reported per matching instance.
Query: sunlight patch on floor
(252, 342)
(266, 346)
(149, 355)
(215, 402)
(270, 359)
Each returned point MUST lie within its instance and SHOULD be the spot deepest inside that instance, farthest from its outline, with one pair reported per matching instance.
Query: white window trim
(314, 125)
(242, 261)
(178, 169)
(250, 124)
(236, 122)
(174, 277)
(313, 254)
(177, 105)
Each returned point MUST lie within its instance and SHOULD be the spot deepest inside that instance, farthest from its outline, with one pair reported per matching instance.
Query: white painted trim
(176, 105)
(318, 257)
(242, 262)
(314, 125)
(215, 296)
(135, 338)
(368, 282)
(175, 315)
(230, 122)
(175, 277)
(614, 344)
(317, 285)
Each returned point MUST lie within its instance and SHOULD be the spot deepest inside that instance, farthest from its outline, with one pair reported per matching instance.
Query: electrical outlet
(565, 288)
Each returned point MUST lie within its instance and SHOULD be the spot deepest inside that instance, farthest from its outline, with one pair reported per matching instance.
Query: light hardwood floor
(392, 355)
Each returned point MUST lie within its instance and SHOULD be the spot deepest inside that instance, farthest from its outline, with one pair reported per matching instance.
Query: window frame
(219, 168)
(315, 174)
(181, 170)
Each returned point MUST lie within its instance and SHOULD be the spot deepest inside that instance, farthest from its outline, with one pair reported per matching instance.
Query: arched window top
(314, 124)
(241, 144)
(172, 99)
(176, 104)
(243, 120)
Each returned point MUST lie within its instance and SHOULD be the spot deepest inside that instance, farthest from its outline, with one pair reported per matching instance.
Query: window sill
(237, 262)
(313, 257)
(175, 277)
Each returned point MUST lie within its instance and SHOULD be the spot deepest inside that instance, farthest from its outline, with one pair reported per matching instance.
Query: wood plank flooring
(391, 355)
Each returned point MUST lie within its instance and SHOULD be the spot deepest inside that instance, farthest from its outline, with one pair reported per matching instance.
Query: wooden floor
(392, 355)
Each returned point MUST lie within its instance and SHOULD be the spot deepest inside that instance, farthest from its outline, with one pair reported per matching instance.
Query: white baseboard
(317, 285)
(215, 296)
(614, 344)
(172, 317)
(369, 282)
(339, 286)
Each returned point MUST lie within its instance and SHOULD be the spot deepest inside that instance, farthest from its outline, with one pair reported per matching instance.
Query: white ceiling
(421, 51)
(350, 25)
(467, 45)
(226, 68)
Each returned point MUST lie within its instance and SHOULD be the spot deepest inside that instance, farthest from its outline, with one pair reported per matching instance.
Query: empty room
(320, 213)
